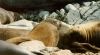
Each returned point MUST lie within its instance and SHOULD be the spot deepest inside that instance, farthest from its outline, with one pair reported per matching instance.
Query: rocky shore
(72, 13)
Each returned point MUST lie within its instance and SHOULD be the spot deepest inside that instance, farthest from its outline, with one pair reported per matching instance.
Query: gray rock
(22, 24)
(98, 2)
(70, 7)
(53, 15)
(77, 5)
(73, 17)
(16, 27)
(61, 15)
(95, 12)
(83, 10)
(7, 17)
(63, 52)
(95, 15)
(11, 49)
(33, 46)
(43, 14)
(49, 50)
(87, 3)
(52, 49)
(81, 14)
(90, 13)
(93, 2)
(62, 12)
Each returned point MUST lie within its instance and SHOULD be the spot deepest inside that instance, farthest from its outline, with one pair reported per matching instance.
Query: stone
(7, 17)
(87, 3)
(11, 49)
(73, 17)
(16, 27)
(77, 5)
(84, 9)
(63, 52)
(43, 14)
(33, 46)
(61, 15)
(21, 24)
(49, 50)
(93, 3)
(70, 7)
(53, 15)
(62, 12)
(90, 12)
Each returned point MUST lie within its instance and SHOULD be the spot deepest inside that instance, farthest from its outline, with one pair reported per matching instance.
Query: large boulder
(7, 17)
(21, 24)
(11, 49)
(33, 46)
(49, 50)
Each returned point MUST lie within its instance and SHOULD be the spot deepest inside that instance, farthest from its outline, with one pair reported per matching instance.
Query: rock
(87, 3)
(31, 15)
(11, 49)
(77, 14)
(7, 17)
(53, 15)
(49, 50)
(94, 16)
(90, 12)
(77, 5)
(33, 46)
(70, 7)
(84, 9)
(93, 3)
(73, 17)
(62, 52)
(22, 24)
(62, 12)
(36, 15)
(43, 14)
(61, 15)
(16, 27)
(87, 53)
(98, 2)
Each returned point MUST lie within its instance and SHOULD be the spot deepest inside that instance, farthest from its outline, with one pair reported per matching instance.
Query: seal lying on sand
(85, 37)
(46, 31)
